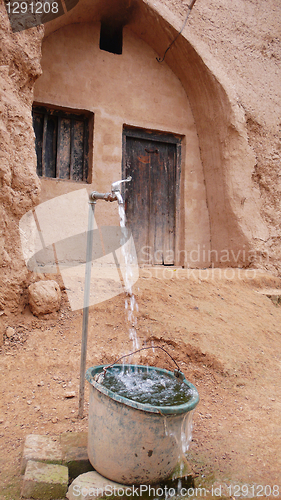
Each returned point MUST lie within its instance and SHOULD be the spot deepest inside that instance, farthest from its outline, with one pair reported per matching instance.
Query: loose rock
(44, 297)
(92, 485)
(70, 394)
(10, 332)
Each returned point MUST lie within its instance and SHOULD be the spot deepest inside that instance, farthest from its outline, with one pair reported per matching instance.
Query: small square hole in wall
(111, 38)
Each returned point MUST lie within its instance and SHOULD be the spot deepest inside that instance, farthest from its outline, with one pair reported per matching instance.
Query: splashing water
(147, 387)
(130, 303)
(183, 440)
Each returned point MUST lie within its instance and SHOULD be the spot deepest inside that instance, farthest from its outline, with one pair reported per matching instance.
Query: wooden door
(150, 198)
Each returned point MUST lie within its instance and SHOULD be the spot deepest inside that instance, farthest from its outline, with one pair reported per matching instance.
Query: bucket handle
(177, 372)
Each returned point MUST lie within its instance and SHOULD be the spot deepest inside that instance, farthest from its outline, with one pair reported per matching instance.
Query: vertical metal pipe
(87, 286)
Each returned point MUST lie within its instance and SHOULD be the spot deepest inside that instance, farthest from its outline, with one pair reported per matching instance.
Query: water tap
(115, 186)
(116, 189)
(115, 194)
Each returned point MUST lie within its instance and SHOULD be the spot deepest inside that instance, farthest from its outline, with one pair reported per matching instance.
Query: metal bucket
(134, 443)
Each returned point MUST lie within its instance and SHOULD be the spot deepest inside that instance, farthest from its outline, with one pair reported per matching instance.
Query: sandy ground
(223, 333)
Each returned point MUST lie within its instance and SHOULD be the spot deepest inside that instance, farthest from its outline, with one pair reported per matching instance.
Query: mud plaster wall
(228, 162)
(239, 40)
(134, 89)
(19, 184)
(233, 198)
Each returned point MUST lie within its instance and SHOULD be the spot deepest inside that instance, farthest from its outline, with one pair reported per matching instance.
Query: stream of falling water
(182, 436)
(130, 302)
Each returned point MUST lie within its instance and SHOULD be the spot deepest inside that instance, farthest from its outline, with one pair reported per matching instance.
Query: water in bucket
(147, 387)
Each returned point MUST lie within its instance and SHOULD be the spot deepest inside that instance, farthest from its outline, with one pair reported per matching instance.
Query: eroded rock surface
(44, 297)
(19, 184)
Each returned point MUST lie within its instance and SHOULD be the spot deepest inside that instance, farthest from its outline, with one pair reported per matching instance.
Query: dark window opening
(111, 38)
(61, 143)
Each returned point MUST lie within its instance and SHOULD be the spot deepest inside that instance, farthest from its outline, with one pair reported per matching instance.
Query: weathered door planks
(151, 160)
(137, 201)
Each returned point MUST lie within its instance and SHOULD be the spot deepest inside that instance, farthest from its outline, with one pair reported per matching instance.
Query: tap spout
(115, 186)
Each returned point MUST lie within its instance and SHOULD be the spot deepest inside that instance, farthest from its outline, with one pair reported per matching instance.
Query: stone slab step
(44, 481)
(93, 485)
(74, 453)
(69, 449)
(42, 449)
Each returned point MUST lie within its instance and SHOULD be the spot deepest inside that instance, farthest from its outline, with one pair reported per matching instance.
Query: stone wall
(19, 184)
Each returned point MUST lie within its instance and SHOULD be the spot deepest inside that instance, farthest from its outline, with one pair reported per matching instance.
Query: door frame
(154, 135)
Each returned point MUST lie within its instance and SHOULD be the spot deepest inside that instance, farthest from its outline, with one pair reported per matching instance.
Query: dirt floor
(222, 331)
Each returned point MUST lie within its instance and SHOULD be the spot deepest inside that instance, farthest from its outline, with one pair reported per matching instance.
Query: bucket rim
(162, 410)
